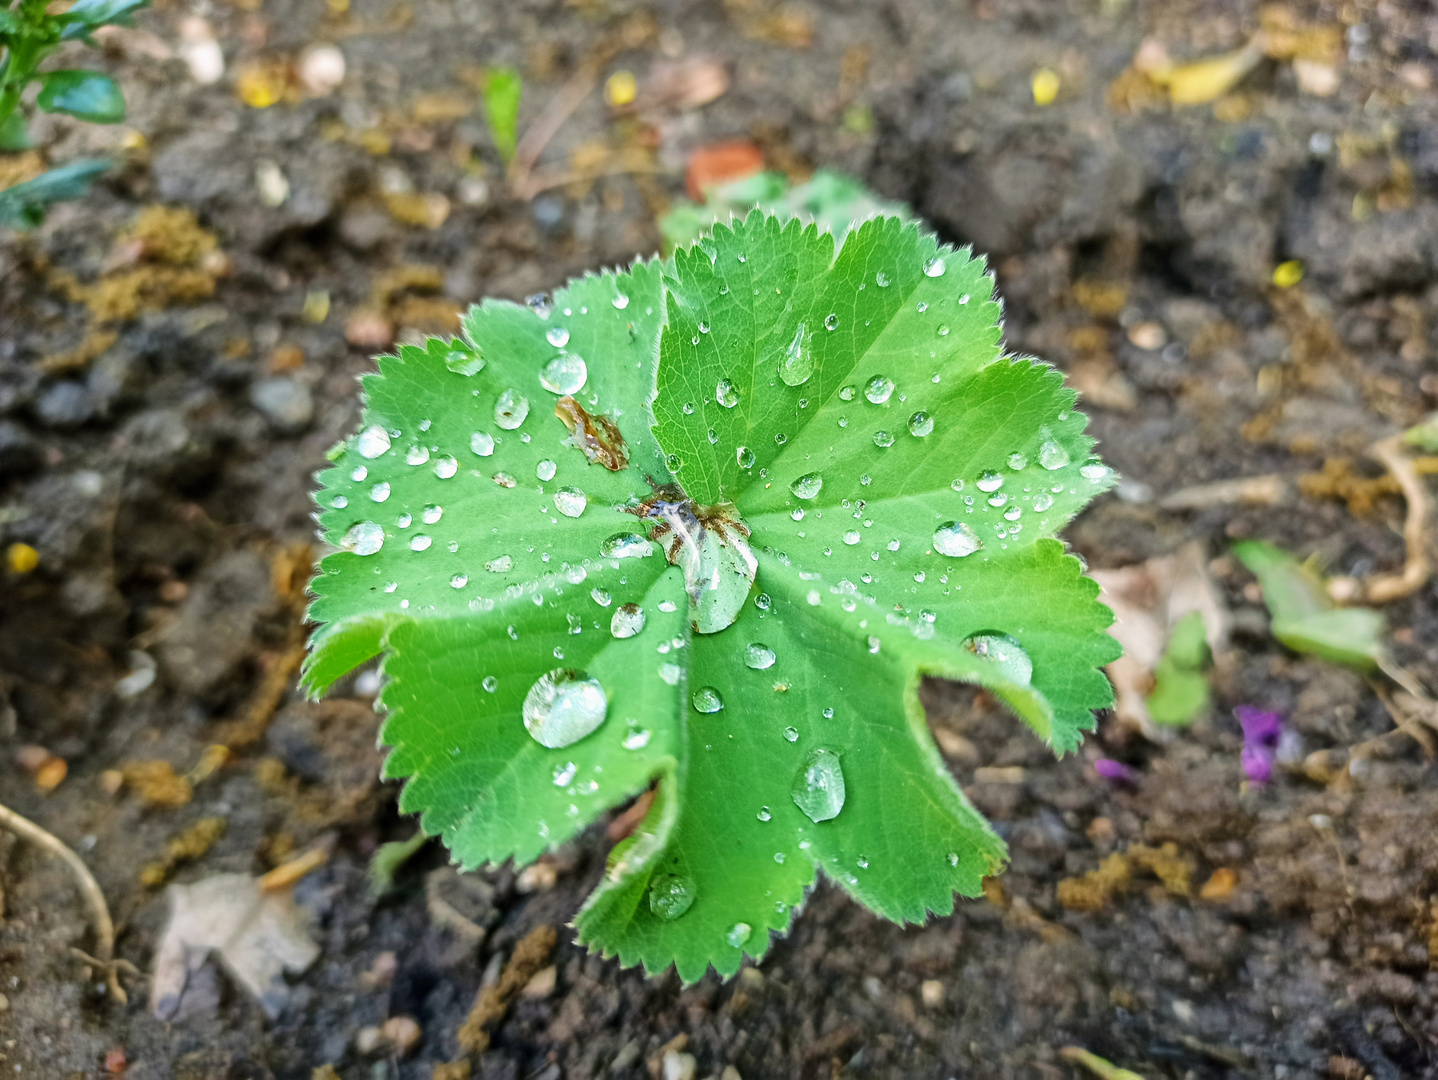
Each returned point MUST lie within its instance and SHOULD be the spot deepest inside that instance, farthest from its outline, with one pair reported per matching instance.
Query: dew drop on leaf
(1094, 471)
(372, 442)
(764, 814)
(797, 513)
(359, 473)
(707, 700)
(997, 500)
(956, 540)
(883, 439)
(807, 486)
(511, 409)
(1017, 461)
(744, 456)
(781, 438)
(881, 279)
(852, 537)
(431, 514)
(564, 774)
(819, 786)
(446, 467)
(738, 934)
(989, 481)
(459, 581)
(565, 374)
(627, 620)
(339, 502)
(762, 601)
(490, 684)
(621, 301)
(670, 896)
(759, 656)
(1005, 653)
(420, 542)
(600, 597)
(934, 267)
(404, 520)
(921, 424)
(671, 673)
(501, 565)
(380, 492)
(637, 738)
(570, 501)
(546, 469)
(943, 330)
(1043, 501)
(862, 862)
(1053, 456)
(482, 443)
(504, 480)
(366, 538)
(541, 303)
(625, 545)
(797, 363)
(416, 455)
(958, 485)
(726, 394)
(878, 389)
(847, 393)
(668, 606)
(791, 733)
(563, 706)
(831, 321)
(557, 336)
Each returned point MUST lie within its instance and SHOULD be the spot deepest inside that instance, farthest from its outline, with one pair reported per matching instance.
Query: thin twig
(99, 910)
(1416, 567)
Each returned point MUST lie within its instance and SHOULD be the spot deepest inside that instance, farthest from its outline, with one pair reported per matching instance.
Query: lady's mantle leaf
(901, 481)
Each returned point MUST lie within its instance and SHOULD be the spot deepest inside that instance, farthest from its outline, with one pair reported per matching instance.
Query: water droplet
(570, 501)
(744, 456)
(923, 306)
(831, 321)
(998, 500)
(564, 774)
(671, 673)
(1095, 471)
(621, 301)
(416, 455)
(1043, 501)
(920, 424)
(372, 442)
(366, 538)
(707, 700)
(482, 443)
(339, 502)
(1053, 456)
(759, 656)
(797, 363)
(862, 862)
(883, 438)
(565, 374)
(490, 684)
(380, 492)
(956, 540)
(600, 597)
(819, 786)
(420, 542)
(403, 521)
(459, 581)
(881, 279)
(878, 389)
(511, 409)
(557, 336)
(501, 565)
(541, 303)
(934, 267)
(1005, 653)
(764, 814)
(791, 733)
(670, 896)
(359, 473)
(668, 606)
(431, 514)
(738, 934)
(546, 469)
(726, 393)
(625, 545)
(797, 513)
(989, 481)
(446, 467)
(637, 738)
(781, 438)
(807, 486)
(713, 437)
(762, 601)
(1017, 461)
(563, 706)
(628, 620)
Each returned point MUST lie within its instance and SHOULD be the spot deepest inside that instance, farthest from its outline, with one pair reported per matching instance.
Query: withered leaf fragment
(597, 436)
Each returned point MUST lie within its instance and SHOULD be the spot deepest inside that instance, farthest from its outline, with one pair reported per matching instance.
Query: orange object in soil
(719, 163)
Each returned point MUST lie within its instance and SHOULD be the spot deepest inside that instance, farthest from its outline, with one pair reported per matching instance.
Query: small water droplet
(501, 565)
(446, 467)
(431, 514)
(380, 492)
(1018, 461)
(953, 858)
(637, 737)
(570, 501)
(564, 774)
(1094, 471)
(807, 486)
(726, 393)
(989, 481)
(707, 700)
(1043, 501)
(420, 542)
(670, 896)
(759, 656)
(546, 469)
(847, 393)
(883, 438)
(923, 306)
(738, 934)
(791, 733)
(1005, 653)
(831, 321)
(934, 267)
(921, 424)
(852, 537)
(1053, 456)
(819, 786)
(956, 540)
(621, 301)
(881, 279)
(600, 597)
(504, 480)
(490, 684)
(627, 621)
(557, 336)
(878, 389)
(482, 443)
(366, 538)
(781, 438)
(541, 303)
(625, 545)
(511, 409)
(671, 673)
(404, 520)
(744, 456)
(372, 442)
(416, 455)
(797, 363)
(764, 814)
(565, 374)
(668, 606)
(563, 706)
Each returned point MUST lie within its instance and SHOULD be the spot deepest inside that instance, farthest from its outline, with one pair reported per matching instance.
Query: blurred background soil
(178, 351)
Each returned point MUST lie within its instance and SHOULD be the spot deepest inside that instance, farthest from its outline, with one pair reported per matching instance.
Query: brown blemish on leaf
(597, 436)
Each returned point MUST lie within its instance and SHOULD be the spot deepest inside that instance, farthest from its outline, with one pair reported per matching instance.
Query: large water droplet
(1053, 456)
(570, 501)
(557, 336)
(989, 481)
(431, 514)
(511, 409)
(625, 545)
(956, 540)
(500, 565)
(446, 467)
(541, 303)
(670, 896)
(797, 363)
(921, 424)
(372, 442)
(482, 443)
(416, 455)
(420, 542)
(744, 456)
(1094, 471)
(759, 656)
(565, 374)
(563, 706)
(1005, 653)
(819, 786)
(726, 394)
(380, 492)
(628, 620)
(707, 700)
(366, 538)
(621, 301)
(878, 389)
(738, 934)
(807, 486)
(934, 267)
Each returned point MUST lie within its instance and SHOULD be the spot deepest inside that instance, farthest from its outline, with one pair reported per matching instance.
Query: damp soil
(158, 434)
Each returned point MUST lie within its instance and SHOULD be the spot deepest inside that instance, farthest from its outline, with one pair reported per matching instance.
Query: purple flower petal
(1260, 727)
(1115, 770)
(1257, 762)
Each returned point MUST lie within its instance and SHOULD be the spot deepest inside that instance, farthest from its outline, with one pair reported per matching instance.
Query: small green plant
(502, 89)
(29, 34)
(701, 527)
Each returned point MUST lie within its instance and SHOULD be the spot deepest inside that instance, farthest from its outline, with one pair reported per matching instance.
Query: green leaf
(1424, 435)
(502, 89)
(1180, 691)
(770, 696)
(85, 15)
(14, 135)
(23, 205)
(1305, 618)
(85, 95)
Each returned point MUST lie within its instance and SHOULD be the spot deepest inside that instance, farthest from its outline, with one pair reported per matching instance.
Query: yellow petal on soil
(21, 558)
(1288, 274)
(620, 89)
(1045, 86)
(1204, 81)
(260, 85)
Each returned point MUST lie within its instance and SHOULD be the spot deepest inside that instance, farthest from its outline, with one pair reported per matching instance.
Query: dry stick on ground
(104, 928)
(1416, 568)
(492, 1002)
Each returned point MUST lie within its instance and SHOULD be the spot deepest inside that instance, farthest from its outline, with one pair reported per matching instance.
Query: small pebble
(322, 69)
(402, 1032)
(368, 329)
(679, 1066)
(1148, 335)
(200, 51)
(931, 992)
(541, 985)
(287, 404)
(541, 877)
(274, 187)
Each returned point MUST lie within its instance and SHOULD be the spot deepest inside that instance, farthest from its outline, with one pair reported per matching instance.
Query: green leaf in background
(502, 89)
(702, 527)
(1305, 618)
(1424, 435)
(87, 15)
(23, 205)
(85, 95)
(14, 134)
(1180, 690)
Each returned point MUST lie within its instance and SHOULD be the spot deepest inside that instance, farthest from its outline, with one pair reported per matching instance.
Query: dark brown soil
(161, 478)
